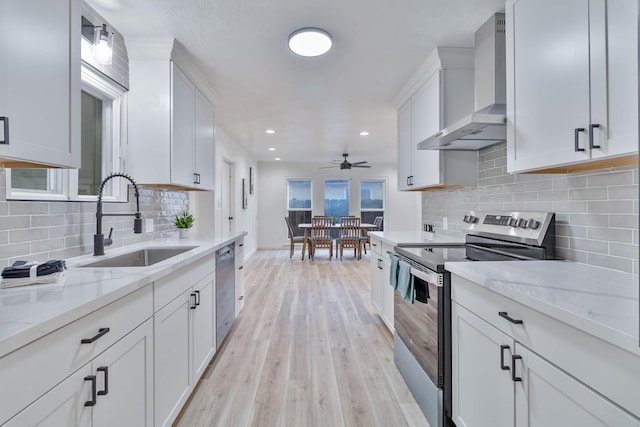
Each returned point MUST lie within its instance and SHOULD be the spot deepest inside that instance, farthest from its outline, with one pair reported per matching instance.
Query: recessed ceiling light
(277, 158)
(310, 42)
(269, 131)
(272, 149)
(364, 133)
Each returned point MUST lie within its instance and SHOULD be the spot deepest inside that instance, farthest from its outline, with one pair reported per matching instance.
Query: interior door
(227, 199)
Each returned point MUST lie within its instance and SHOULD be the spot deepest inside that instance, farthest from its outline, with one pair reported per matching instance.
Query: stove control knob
(513, 222)
(522, 223)
(472, 219)
(533, 224)
(466, 218)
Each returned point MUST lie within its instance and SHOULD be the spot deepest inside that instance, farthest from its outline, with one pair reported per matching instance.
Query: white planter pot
(184, 233)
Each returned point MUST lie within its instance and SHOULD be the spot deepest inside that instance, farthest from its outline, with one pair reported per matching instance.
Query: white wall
(207, 205)
(403, 209)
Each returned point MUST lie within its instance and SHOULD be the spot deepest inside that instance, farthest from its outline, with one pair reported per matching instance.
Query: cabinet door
(426, 121)
(376, 281)
(547, 396)
(239, 277)
(547, 82)
(125, 372)
(387, 294)
(61, 406)
(483, 393)
(172, 367)
(405, 148)
(183, 102)
(40, 81)
(205, 145)
(203, 325)
(614, 76)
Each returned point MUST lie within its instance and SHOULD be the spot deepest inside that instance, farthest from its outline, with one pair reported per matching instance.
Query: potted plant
(183, 223)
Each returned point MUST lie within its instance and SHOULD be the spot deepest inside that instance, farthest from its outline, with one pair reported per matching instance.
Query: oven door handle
(431, 278)
(499, 252)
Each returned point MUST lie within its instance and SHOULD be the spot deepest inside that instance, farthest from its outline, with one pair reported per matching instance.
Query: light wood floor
(308, 349)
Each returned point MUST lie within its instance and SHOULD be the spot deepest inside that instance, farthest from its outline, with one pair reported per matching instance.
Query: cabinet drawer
(609, 370)
(168, 288)
(386, 247)
(376, 245)
(32, 370)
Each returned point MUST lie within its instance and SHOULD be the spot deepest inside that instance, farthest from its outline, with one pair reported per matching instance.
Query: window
(101, 109)
(299, 202)
(336, 198)
(372, 200)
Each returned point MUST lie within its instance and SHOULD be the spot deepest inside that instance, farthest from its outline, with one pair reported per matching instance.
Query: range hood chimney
(487, 126)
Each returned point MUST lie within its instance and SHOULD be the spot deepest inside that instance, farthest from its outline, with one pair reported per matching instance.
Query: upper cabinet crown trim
(168, 48)
(440, 58)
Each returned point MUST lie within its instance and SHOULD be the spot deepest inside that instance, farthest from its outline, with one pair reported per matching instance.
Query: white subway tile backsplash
(28, 208)
(28, 234)
(596, 211)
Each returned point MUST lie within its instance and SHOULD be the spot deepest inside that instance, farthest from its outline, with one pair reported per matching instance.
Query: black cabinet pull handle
(105, 390)
(591, 128)
(5, 138)
(197, 297)
(241, 297)
(514, 377)
(576, 137)
(193, 302)
(502, 365)
(241, 267)
(91, 402)
(505, 315)
(240, 244)
(100, 333)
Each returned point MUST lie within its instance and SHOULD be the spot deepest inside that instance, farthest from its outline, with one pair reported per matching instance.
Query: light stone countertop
(30, 312)
(598, 301)
(413, 237)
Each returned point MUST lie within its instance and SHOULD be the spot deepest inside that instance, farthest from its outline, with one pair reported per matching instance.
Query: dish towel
(405, 282)
(393, 271)
(23, 273)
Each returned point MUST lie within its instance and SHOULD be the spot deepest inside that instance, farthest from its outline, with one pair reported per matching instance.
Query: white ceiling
(318, 106)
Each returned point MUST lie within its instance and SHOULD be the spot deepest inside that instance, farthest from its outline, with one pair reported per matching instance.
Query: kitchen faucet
(99, 242)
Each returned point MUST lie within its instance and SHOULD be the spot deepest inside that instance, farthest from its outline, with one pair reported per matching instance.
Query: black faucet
(99, 242)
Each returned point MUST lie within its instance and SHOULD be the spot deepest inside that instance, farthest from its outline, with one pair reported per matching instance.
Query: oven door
(420, 325)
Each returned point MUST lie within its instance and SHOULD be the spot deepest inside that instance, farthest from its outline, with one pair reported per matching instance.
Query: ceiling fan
(345, 164)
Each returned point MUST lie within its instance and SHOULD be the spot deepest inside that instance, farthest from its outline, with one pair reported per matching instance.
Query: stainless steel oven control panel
(526, 227)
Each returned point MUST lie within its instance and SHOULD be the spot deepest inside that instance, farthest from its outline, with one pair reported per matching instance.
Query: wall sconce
(102, 41)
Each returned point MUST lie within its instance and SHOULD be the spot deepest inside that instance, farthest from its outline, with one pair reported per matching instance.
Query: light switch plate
(148, 225)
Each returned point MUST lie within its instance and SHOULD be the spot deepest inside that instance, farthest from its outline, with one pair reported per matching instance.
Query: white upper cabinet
(572, 82)
(171, 122)
(437, 96)
(40, 83)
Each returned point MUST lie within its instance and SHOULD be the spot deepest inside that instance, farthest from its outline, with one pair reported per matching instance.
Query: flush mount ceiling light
(310, 42)
(272, 149)
(277, 158)
(269, 131)
(364, 133)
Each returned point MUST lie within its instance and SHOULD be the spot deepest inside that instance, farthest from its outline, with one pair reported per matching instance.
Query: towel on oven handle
(405, 282)
(393, 271)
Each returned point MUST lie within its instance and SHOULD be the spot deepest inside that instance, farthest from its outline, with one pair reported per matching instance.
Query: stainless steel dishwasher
(225, 291)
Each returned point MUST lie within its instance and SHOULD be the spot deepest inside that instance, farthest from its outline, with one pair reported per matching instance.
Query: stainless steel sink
(140, 258)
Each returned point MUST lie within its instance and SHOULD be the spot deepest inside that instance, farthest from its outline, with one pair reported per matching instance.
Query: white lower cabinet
(184, 345)
(116, 388)
(498, 381)
(239, 257)
(381, 292)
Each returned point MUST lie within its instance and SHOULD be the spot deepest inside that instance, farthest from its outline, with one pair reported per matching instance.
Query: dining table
(337, 226)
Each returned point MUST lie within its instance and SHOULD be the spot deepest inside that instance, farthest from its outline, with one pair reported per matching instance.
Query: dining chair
(366, 239)
(349, 237)
(320, 236)
(293, 238)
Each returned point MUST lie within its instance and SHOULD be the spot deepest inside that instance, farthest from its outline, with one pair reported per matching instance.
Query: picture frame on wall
(252, 180)
(245, 198)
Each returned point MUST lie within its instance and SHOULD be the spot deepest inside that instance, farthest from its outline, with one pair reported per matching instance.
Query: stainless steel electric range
(422, 339)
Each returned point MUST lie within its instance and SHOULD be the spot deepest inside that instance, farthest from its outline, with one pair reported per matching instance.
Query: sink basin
(140, 258)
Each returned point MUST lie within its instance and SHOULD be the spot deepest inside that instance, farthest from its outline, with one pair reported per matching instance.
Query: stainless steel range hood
(487, 126)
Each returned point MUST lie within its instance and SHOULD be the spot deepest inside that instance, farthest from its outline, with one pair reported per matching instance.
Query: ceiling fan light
(310, 42)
